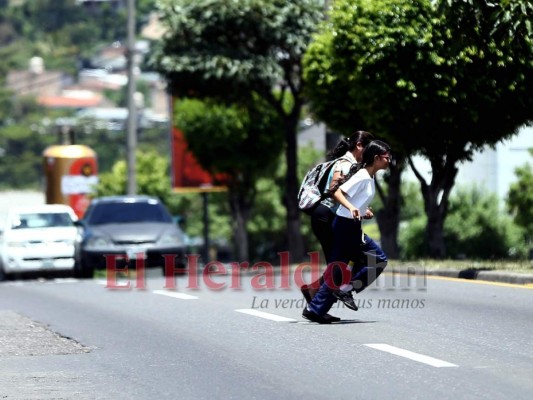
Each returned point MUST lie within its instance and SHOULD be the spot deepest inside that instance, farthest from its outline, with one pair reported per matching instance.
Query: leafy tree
(23, 138)
(267, 219)
(145, 7)
(358, 79)
(248, 140)
(520, 199)
(479, 231)
(230, 50)
(21, 162)
(153, 178)
(427, 82)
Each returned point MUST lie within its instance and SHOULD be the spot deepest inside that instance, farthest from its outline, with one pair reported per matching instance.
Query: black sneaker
(311, 316)
(331, 318)
(346, 298)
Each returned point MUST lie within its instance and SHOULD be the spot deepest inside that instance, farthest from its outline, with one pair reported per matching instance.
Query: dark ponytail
(348, 144)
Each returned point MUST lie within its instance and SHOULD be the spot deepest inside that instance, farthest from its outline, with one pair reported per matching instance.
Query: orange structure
(70, 172)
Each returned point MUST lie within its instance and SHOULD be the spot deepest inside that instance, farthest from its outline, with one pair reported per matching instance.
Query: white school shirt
(359, 191)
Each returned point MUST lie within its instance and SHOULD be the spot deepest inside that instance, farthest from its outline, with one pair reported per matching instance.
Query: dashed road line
(116, 284)
(176, 295)
(65, 280)
(434, 362)
(262, 314)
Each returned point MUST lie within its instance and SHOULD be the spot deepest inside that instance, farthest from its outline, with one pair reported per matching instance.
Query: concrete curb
(491, 276)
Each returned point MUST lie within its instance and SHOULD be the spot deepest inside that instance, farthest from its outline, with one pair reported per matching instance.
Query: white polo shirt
(359, 191)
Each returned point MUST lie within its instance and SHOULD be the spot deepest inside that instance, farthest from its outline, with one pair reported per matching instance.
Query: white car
(38, 238)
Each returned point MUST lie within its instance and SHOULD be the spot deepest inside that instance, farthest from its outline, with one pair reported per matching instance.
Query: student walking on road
(354, 193)
(348, 152)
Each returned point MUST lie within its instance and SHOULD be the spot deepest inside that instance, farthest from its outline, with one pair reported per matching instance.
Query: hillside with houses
(64, 76)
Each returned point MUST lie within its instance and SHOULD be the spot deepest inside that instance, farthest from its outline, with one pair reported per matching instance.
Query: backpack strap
(325, 193)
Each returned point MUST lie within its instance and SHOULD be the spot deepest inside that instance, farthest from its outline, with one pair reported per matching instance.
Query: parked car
(123, 229)
(37, 238)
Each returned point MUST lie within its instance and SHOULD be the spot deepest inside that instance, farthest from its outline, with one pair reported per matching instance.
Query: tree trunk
(435, 232)
(295, 241)
(436, 196)
(240, 205)
(388, 218)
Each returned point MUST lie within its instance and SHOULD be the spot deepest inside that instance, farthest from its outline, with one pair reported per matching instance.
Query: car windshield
(41, 220)
(120, 213)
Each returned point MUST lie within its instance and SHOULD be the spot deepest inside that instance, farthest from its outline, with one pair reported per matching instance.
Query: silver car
(119, 230)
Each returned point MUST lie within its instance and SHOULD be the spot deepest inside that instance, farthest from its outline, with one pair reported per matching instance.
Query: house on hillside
(36, 81)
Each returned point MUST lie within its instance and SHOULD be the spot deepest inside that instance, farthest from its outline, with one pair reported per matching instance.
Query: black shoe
(311, 316)
(331, 318)
(346, 298)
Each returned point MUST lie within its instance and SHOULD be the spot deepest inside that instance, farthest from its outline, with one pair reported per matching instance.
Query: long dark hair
(348, 144)
(373, 149)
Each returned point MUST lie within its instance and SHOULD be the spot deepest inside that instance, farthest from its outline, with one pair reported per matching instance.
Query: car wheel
(3, 275)
(82, 270)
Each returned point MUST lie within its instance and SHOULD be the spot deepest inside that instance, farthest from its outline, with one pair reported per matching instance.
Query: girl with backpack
(353, 192)
(349, 151)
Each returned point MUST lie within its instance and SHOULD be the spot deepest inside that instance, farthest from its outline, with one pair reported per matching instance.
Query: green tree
(21, 161)
(267, 221)
(230, 50)
(479, 231)
(23, 138)
(425, 84)
(228, 140)
(520, 199)
(152, 177)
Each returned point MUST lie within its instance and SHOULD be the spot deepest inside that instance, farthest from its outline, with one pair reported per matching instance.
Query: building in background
(491, 170)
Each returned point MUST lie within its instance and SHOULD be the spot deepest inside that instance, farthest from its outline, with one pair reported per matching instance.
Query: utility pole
(132, 110)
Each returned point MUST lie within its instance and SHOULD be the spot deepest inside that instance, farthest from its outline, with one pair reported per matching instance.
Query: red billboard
(187, 174)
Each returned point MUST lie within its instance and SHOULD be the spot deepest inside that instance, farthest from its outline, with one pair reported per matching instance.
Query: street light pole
(132, 110)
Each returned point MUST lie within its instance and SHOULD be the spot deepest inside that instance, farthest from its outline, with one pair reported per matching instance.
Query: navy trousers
(368, 258)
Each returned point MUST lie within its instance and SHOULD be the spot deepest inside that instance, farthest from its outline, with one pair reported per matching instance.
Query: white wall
(490, 169)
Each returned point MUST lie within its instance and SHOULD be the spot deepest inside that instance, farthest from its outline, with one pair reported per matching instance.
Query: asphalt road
(437, 339)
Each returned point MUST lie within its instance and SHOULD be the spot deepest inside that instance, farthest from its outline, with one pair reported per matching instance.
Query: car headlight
(170, 239)
(16, 244)
(95, 242)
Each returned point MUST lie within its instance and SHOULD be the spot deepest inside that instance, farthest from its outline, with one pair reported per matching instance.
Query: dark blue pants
(369, 261)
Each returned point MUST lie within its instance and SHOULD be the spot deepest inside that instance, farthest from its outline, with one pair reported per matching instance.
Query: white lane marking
(261, 314)
(65, 280)
(43, 281)
(116, 284)
(176, 295)
(434, 362)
